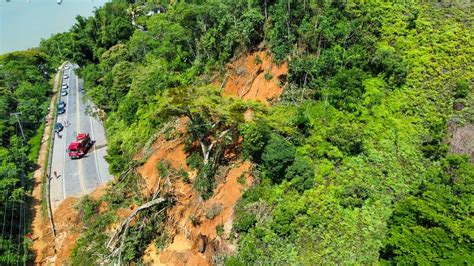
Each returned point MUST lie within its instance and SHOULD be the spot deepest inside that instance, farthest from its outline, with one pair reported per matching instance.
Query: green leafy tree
(277, 156)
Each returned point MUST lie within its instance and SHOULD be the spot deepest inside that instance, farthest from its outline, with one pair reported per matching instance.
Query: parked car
(61, 110)
(66, 67)
(61, 104)
(58, 127)
(65, 76)
(63, 92)
(65, 86)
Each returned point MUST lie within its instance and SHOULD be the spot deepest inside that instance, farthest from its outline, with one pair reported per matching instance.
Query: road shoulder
(40, 227)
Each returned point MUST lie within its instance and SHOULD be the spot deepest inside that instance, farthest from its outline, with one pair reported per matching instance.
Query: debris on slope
(256, 77)
(68, 223)
(199, 229)
(192, 223)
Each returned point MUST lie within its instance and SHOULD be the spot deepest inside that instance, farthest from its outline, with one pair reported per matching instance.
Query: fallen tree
(121, 232)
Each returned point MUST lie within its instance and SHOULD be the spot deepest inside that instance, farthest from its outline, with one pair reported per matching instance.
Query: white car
(65, 86)
(63, 93)
(65, 77)
(66, 67)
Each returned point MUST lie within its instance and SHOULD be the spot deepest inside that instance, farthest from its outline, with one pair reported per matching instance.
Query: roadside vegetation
(24, 90)
(352, 163)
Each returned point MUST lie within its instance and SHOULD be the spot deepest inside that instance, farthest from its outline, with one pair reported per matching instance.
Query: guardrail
(50, 159)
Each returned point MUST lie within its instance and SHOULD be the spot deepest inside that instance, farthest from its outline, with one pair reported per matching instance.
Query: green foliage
(204, 182)
(24, 90)
(256, 136)
(241, 179)
(277, 156)
(220, 230)
(462, 89)
(435, 216)
(356, 168)
(268, 76)
(194, 160)
(301, 174)
(87, 208)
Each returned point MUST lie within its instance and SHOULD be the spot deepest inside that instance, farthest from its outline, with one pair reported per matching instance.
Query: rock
(201, 243)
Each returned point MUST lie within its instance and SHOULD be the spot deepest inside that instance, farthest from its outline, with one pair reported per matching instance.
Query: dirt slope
(193, 222)
(194, 244)
(255, 77)
(56, 251)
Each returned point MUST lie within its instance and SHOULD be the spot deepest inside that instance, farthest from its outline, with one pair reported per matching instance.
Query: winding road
(77, 177)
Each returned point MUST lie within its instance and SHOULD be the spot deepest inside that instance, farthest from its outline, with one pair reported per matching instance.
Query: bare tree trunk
(206, 150)
(266, 14)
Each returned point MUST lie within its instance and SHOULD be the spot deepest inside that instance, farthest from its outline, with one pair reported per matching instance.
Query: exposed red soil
(187, 246)
(247, 78)
(256, 77)
(68, 224)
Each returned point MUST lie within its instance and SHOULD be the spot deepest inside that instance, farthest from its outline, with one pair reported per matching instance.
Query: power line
(19, 123)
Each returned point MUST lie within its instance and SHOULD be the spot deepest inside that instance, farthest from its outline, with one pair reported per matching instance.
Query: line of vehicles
(82, 143)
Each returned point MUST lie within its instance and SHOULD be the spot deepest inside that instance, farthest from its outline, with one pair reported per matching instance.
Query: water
(23, 23)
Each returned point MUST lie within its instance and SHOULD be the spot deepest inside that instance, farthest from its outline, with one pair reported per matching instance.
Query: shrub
(220, 230)
(257, 61)
(244, 221)
(195, 160)
(277, 156)
(268, 76)
(461, 90)
(184, 175)
(241, 179)
(162, 240)
(300, 174)
(256, 136)
(194, 220)
(87, 207)
(215, 209)
(163, 168)
(204, 183)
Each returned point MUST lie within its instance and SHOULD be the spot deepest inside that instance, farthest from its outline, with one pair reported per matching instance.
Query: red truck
(79, 147)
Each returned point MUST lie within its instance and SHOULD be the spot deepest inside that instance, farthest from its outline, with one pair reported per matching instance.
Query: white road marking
(81, 177)
(96, 161)
(63, 179)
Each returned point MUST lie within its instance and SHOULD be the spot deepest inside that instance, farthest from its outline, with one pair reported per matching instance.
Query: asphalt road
(77, 177)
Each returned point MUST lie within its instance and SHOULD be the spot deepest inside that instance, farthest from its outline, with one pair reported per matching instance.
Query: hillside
(278, 132)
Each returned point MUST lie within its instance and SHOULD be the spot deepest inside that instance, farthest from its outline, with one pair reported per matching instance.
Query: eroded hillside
(279, 132)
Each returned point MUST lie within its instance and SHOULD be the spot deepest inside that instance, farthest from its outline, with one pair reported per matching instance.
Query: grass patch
(35, 143)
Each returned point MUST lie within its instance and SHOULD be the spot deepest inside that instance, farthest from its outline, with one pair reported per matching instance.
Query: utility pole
(19, 123)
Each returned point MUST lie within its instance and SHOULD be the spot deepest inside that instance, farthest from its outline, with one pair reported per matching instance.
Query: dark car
(61, 110)
(58, 127)
(61, 104)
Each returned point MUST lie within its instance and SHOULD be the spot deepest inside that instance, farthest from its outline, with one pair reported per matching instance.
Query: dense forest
(24, 99)
(353, 164)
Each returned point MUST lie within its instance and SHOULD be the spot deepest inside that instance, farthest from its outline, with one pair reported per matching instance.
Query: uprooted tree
(213, 122)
